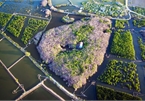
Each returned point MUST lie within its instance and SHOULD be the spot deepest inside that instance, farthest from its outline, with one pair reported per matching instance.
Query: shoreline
(39, 67)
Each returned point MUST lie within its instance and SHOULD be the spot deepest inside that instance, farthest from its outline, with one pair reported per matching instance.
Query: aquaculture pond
(40, 94)
(8, 53)
(26, 72)
(7, 85)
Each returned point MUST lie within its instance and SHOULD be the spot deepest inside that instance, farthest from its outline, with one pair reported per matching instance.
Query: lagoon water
(27, 72)
(76, 2)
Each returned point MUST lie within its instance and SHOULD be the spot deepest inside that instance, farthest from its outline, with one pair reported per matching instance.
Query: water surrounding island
(27, 72)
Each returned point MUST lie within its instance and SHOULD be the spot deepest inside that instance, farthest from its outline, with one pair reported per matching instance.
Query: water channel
(27, 72)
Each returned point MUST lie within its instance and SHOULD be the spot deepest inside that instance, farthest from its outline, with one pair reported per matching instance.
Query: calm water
(23, 6)
(26, 72)
(8, 53)
(40, 94)
(76, 2)
(56, 2)
(7, 85)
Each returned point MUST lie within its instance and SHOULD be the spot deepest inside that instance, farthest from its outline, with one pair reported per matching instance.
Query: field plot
(121, 23)
(16, 24)
(122, 44)
(34, 25)
(121, 73)
(104, 93)
(5, 17)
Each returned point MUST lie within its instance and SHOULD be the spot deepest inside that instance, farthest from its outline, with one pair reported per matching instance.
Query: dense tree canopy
(142, 47)
(4, 18)
(139, 10)
(139, 23)
(124, 74)
(34, 25)
(121, 23)
(122, 44)
(16, 24)
(104, 93)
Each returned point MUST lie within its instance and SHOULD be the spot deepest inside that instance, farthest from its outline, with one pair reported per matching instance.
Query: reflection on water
(7, 85)
(75, 2)
(26, 72)
(31, 7)
(56, 2)
(8, 53)
(78, 2)
(40, 94)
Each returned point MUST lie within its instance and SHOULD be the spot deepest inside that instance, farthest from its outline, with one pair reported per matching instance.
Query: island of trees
(59, 49)
(121, 73)
(121, 23)
(5, 17)
(34, 25)
(122, 44)
(105, 93)
(16, 24)
(139, 22)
